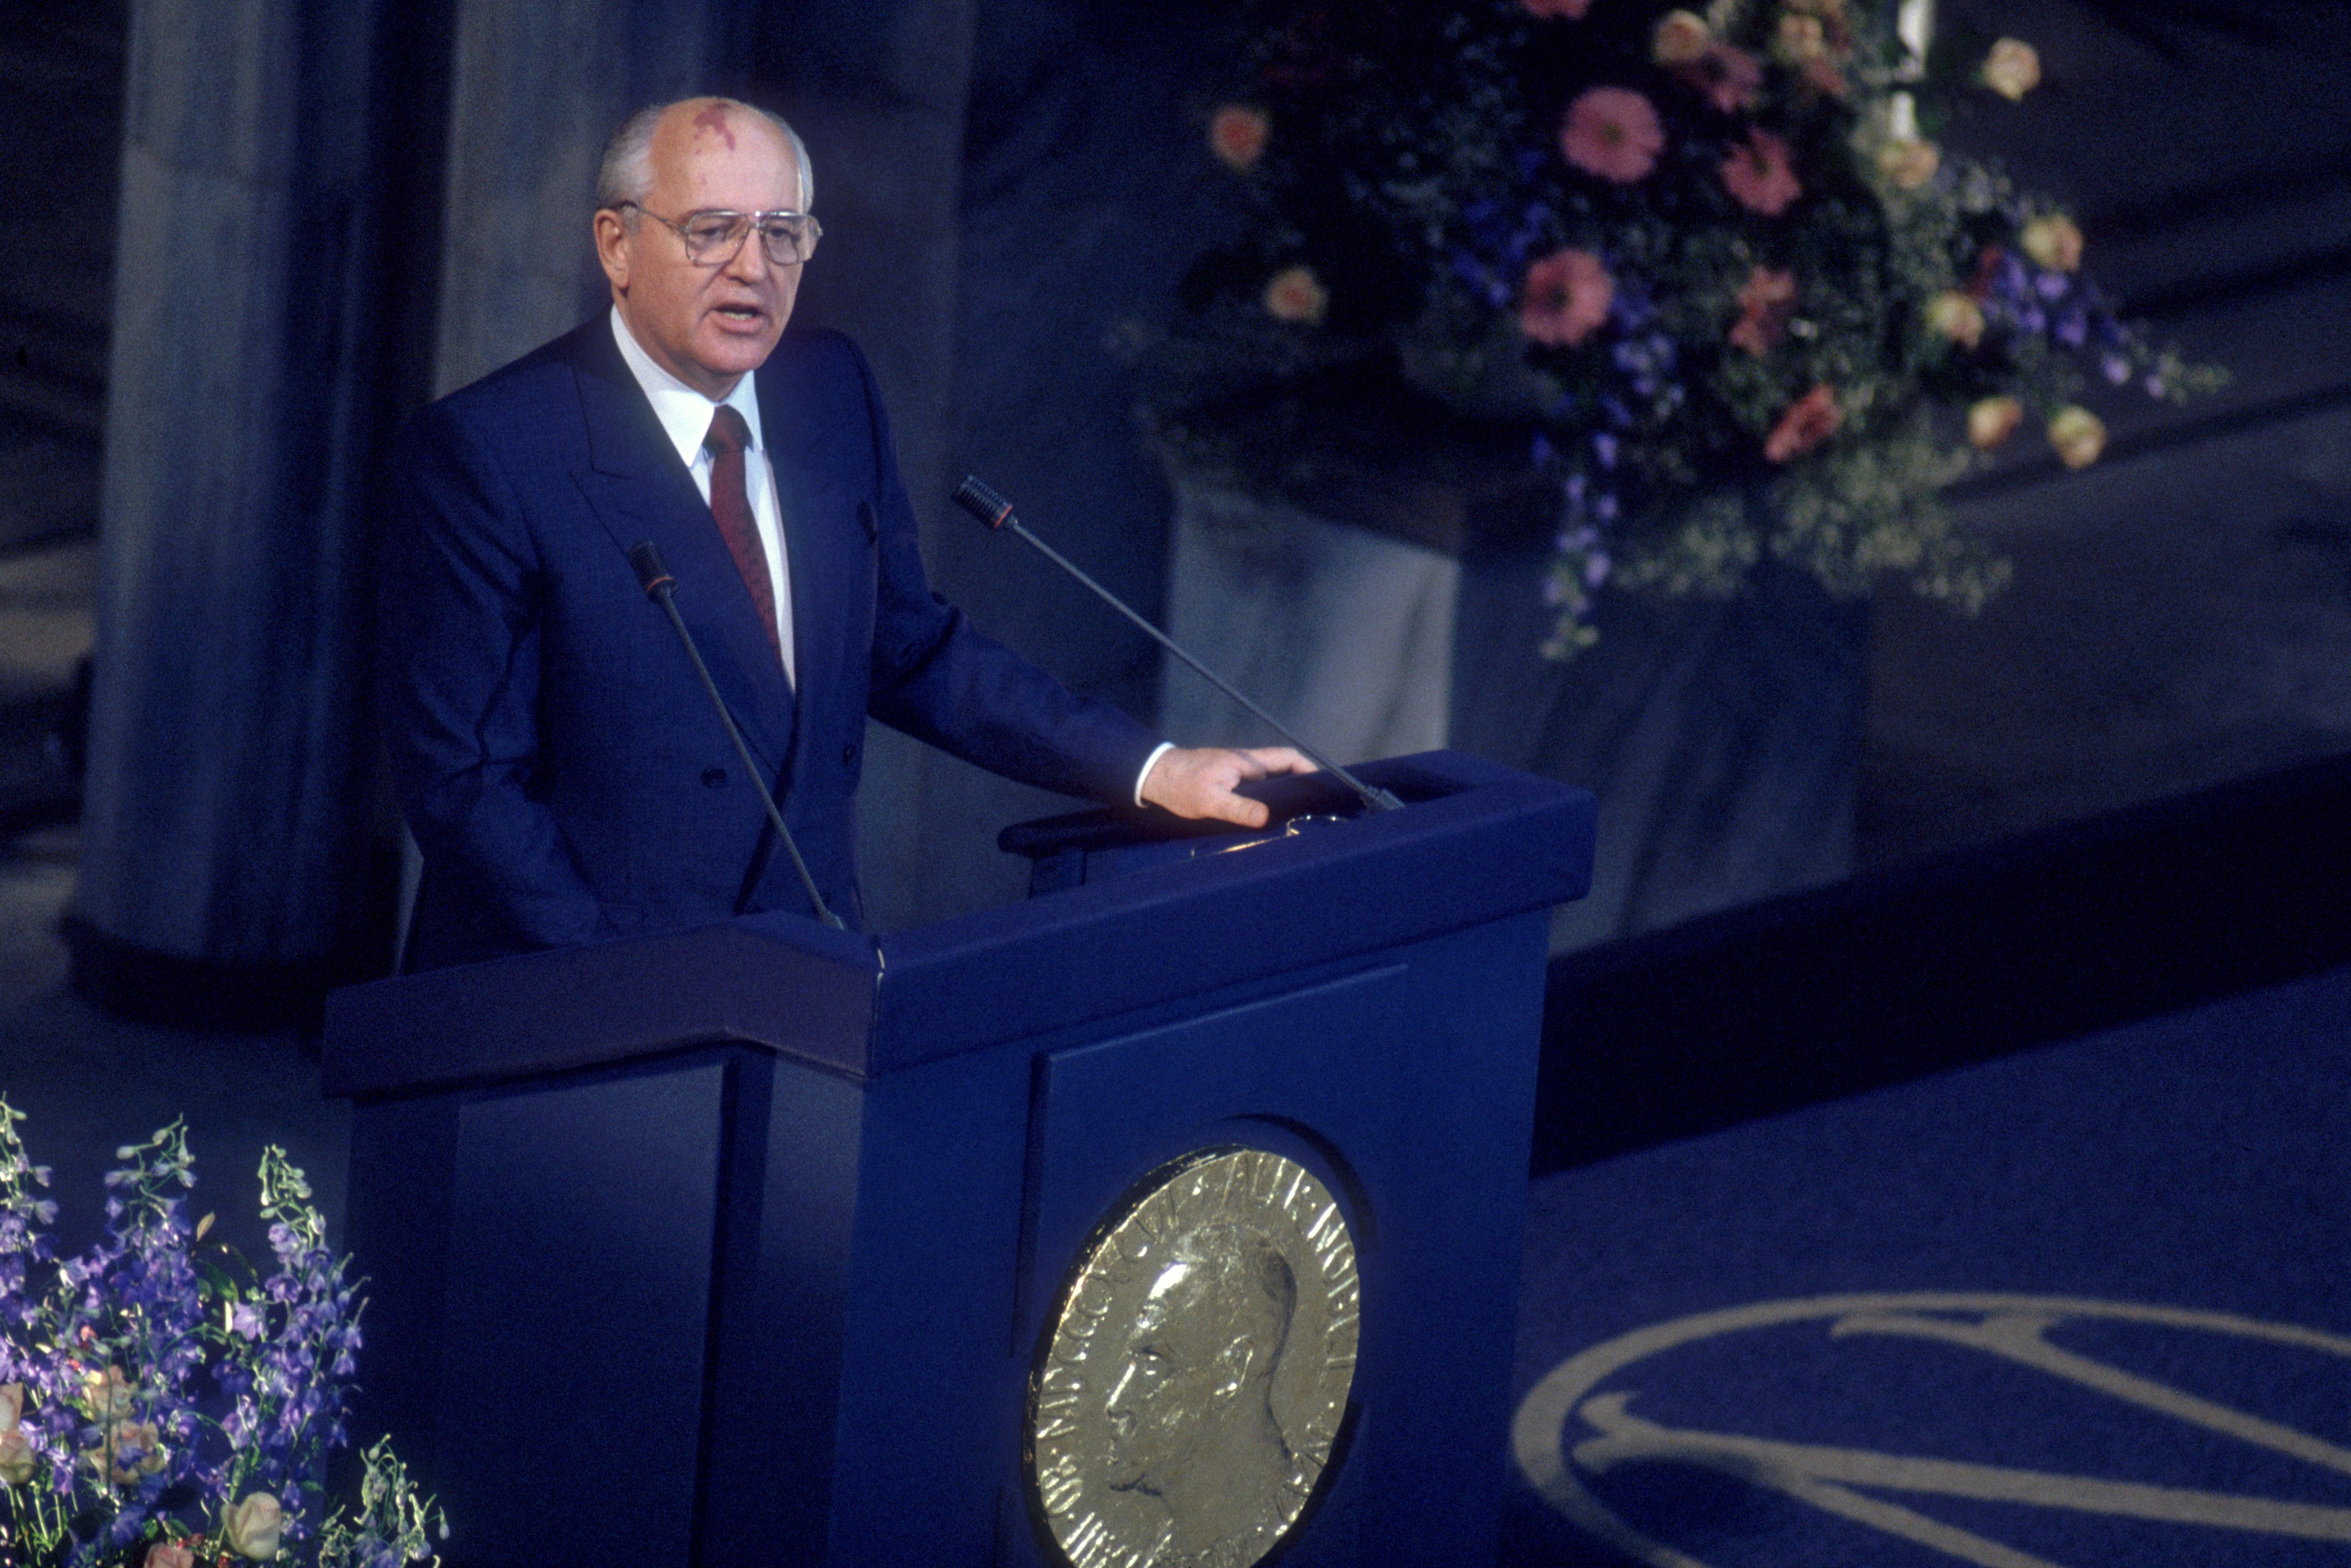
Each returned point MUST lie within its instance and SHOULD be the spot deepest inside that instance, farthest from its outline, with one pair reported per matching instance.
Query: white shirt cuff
(1149, 762)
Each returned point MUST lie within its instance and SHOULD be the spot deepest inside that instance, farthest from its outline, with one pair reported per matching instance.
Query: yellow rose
(129, 1450)
(254, 1526)
(1681, 37)
(108, 1393)
(1800, 40)
(1992, 421)
(16, 1457)
(1295, 293)
(2011, 69)
(11, 1405)
(1955, 317)
(1908, 162)
(2078, 435)
(2053, 241)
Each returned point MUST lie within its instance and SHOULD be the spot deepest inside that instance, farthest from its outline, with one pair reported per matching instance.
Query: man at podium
(564, 771)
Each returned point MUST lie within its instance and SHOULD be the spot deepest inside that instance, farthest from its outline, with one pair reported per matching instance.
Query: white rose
(254, 1526)
(17, 1458)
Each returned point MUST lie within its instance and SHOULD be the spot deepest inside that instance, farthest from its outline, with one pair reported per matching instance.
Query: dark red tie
(730, 503)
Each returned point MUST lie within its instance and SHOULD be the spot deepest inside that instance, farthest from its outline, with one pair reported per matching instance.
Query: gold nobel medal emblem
(1195, 1374)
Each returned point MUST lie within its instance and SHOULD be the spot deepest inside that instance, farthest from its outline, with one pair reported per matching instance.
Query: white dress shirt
(684, 416)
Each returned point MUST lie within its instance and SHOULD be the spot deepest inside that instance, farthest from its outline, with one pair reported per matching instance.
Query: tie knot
(728, 432)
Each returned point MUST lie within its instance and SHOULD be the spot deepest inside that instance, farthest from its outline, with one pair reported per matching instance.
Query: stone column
(537, 88)
(227, 810)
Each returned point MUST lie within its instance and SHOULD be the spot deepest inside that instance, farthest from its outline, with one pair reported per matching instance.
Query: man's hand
(1198, 781)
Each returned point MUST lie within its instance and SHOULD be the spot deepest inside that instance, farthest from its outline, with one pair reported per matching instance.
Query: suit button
(848, 755)
(714, 777)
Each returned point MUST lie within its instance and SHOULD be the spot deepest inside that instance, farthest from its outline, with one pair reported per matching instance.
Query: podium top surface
(1478, 843)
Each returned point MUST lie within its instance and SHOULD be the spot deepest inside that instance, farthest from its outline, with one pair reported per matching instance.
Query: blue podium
(764, 1244)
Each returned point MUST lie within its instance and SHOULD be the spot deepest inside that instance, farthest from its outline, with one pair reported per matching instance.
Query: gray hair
(627, 174)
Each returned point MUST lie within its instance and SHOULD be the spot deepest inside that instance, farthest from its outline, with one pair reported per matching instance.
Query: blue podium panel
(1406, 1087)
(802, 1211)
(583, 1218)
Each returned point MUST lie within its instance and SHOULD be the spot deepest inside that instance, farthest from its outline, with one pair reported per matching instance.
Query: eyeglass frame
(750, 227)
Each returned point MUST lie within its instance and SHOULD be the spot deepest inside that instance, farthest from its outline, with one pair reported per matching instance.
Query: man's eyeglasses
(715, 238)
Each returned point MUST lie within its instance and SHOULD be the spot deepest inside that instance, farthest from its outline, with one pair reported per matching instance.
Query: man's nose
(750, 263)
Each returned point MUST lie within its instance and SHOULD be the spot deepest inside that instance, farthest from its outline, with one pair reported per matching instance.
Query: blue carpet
(2130, 1340)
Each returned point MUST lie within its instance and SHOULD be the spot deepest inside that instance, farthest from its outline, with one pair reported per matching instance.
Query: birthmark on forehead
(713, 121)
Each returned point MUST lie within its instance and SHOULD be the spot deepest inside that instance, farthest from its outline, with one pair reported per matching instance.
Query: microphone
(992, 509)
(661, 588)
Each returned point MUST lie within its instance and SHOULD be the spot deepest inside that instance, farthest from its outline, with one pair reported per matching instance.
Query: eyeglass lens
(788, 240)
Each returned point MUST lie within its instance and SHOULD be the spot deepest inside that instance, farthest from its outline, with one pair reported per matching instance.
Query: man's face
(708, 325)
(1159, 1406)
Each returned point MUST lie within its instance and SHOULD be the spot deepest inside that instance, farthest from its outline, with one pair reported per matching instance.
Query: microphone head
(647, 562)
(977, 498)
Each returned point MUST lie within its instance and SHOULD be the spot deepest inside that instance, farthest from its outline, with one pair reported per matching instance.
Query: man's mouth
(740, 316)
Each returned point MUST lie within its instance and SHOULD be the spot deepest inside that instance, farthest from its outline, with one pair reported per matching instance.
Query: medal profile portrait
(1193, 1382)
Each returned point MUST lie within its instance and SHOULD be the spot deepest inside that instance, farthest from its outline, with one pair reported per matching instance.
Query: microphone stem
(1374, 797)
(662, 592)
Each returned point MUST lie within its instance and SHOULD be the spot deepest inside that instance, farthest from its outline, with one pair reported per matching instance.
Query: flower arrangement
(163, 1402)
(1708, 264)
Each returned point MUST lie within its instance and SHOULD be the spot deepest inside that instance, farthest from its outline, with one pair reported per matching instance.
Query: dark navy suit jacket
(558, 760)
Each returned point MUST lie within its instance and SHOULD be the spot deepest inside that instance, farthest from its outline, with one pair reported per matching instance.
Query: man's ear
(612, 234)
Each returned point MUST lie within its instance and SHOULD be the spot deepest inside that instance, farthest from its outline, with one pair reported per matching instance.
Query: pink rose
(1729, 77)
(1295, 295)
(1767, 300)
(1237, 134)
(1757, 174)
(170, 1554)
(1573, 10)
(1565, 298)
(1809, 421)
(1613, 132)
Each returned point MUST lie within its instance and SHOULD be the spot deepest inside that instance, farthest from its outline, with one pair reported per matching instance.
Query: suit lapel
(826, 574)
(639, 491)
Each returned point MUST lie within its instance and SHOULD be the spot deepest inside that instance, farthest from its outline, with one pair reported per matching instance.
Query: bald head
(627, 170)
